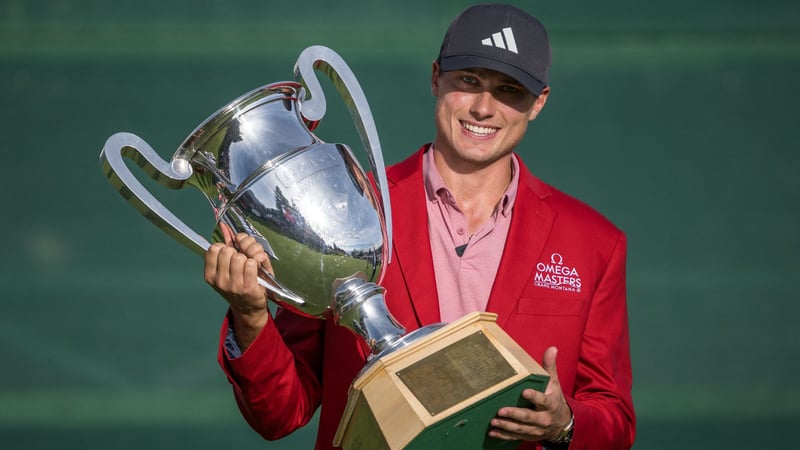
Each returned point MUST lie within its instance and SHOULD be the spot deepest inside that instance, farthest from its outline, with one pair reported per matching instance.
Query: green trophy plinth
(441, 391)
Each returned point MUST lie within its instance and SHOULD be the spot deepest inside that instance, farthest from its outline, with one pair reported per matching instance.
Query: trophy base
(440, 391)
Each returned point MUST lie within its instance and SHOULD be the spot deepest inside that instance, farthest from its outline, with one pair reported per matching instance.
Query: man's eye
(510, 89)
(468, 79)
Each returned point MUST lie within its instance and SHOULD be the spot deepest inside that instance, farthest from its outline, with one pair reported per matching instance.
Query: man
(474, 230)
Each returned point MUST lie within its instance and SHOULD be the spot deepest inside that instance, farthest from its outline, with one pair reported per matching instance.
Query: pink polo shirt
(464, 282)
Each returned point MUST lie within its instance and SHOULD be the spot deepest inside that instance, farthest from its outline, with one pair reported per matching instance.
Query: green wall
(675, 119)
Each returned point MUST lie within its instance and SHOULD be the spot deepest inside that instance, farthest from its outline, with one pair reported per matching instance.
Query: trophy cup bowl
(307, 202)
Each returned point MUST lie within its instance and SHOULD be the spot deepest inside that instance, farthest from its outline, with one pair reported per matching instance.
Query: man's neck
(477, 189)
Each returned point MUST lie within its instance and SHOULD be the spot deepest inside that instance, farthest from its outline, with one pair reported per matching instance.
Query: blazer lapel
(412, 249)
(531, 223)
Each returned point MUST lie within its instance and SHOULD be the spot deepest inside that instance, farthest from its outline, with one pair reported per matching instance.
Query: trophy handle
(313, 108)
(171, 175)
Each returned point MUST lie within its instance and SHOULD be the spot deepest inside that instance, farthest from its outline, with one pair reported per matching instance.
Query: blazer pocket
(550, 306)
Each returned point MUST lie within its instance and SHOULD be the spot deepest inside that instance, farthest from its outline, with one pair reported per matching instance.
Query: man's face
(481, 114)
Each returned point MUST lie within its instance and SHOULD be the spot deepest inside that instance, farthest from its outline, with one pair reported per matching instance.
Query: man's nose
(483, 105)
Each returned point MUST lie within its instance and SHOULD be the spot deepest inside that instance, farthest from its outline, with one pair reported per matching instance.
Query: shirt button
(460, 231)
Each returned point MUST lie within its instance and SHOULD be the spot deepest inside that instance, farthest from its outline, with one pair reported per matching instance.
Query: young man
(474, 231)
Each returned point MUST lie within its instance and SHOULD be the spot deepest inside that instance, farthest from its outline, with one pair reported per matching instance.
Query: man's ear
(435, 79)
(538, 104)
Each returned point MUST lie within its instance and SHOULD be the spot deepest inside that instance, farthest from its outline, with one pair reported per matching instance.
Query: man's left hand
(545, 419)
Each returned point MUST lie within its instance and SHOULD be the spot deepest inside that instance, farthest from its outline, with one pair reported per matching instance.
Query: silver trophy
(307, 202)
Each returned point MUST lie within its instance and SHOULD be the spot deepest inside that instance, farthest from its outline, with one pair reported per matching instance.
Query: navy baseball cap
(498, 37)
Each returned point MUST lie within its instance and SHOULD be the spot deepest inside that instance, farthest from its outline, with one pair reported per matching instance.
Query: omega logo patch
(557, 275)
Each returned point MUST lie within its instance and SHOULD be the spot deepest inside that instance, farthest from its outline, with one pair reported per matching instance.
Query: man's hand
(545, 419)
(232, 270)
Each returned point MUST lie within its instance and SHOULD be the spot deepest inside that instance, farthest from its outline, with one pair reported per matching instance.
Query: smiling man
(474, 231)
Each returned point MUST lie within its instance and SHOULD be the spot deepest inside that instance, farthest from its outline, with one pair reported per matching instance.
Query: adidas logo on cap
(504, 40)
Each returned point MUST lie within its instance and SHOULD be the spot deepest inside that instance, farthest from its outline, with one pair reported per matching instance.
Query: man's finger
(538, 399)
(211, 257)
(244, 241)
(499, 433)
(518, 424)
(251, 274)
(223, 274)
(227, 233)
(236, 271)
(250, 246)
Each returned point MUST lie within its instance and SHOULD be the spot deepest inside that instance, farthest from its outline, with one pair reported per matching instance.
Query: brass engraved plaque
(456, 372)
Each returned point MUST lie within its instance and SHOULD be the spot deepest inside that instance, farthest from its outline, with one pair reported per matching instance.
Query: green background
(676, 119)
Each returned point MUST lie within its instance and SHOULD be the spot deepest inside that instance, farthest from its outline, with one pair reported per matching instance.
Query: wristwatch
(565, 437)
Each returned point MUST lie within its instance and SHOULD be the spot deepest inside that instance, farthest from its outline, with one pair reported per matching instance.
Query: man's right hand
(232, 270)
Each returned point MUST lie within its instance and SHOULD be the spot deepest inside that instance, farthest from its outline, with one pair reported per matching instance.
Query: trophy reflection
(328, 234)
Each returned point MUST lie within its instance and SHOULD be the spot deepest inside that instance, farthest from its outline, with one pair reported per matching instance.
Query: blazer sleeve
(602, 403)
(277, 380)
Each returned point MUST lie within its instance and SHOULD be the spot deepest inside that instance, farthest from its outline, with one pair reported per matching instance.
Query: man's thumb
(549, 362)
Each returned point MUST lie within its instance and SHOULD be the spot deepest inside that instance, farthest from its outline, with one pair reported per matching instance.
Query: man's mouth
(479, 130)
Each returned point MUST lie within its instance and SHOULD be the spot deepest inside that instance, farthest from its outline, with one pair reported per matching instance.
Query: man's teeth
(483, 131)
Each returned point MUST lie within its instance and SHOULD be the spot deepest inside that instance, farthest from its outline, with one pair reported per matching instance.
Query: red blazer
(561, 282)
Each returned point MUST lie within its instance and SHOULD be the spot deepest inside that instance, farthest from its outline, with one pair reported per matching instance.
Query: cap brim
(464, 62)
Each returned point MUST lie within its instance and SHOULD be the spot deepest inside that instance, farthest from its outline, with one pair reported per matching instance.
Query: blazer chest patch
(557, 274)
